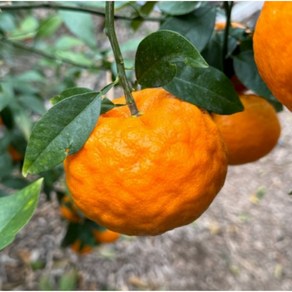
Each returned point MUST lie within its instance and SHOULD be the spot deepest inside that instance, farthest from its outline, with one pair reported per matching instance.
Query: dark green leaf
(246, 71)
(106, 105)
(16, 210)
(5, 164)
(71, 235)
(81, 25)
(144, 10)
(178, 7)
(69, 92)
(213, 52)
(159, 54)
(62, 130)
(196, 26)
(208, 88)
(15, 182)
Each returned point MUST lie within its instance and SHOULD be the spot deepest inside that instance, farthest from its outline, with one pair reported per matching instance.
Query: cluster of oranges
(146, 174)
(97, 234)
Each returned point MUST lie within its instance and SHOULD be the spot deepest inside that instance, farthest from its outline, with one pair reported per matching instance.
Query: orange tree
(187, 57)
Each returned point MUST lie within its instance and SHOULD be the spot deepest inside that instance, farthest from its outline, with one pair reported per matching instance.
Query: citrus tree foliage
(46, 113)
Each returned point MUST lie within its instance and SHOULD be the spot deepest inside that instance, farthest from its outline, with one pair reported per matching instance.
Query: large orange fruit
(272, 43)
(148, 174)
(252, 133)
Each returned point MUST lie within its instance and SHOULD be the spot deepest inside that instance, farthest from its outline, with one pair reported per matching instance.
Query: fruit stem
(111, 34)
(228, 8)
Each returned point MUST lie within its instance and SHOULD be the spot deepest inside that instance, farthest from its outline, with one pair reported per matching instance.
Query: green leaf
(49, 26)
(159, 54)
(71, 235)
(208, 88)
(67, 42)
(22, 119)
(32, 103)
(26, 29)
(46, 283)
(6, 95)
(81, 25)
(178, 7)
(6, 22)
(62, 130)
(16, 210)
(213, 52)
(5, 164)
(106, 104)
(69, 92)
(247, 72)
(68, 281)
(30, 76)
(143, 10)
(79, 58)
(196, 26)
(14, 182)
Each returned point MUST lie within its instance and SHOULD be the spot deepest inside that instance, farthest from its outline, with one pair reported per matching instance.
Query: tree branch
(76, 9)
(45, 55)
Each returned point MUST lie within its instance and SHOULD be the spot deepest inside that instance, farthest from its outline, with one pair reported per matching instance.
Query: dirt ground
(242, 242)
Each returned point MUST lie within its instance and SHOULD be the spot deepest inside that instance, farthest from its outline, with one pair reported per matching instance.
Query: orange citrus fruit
(220, 25)
(272, 43)
(252, 133)
(15, 154)
(144, 175)
(81, 249)
(68, 210)
(105, 236)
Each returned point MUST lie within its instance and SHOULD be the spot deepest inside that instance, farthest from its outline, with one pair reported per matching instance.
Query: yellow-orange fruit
(252, 133)
(144, 175)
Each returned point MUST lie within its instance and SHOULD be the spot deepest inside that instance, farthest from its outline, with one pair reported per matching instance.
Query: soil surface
(242, 242)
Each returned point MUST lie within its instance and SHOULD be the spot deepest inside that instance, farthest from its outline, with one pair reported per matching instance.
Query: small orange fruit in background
(220, 25)
(81, 249)
(69, 211)
(148, 174)
(272, 43)
(105, 236)
(252, 133)
(15, 154)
